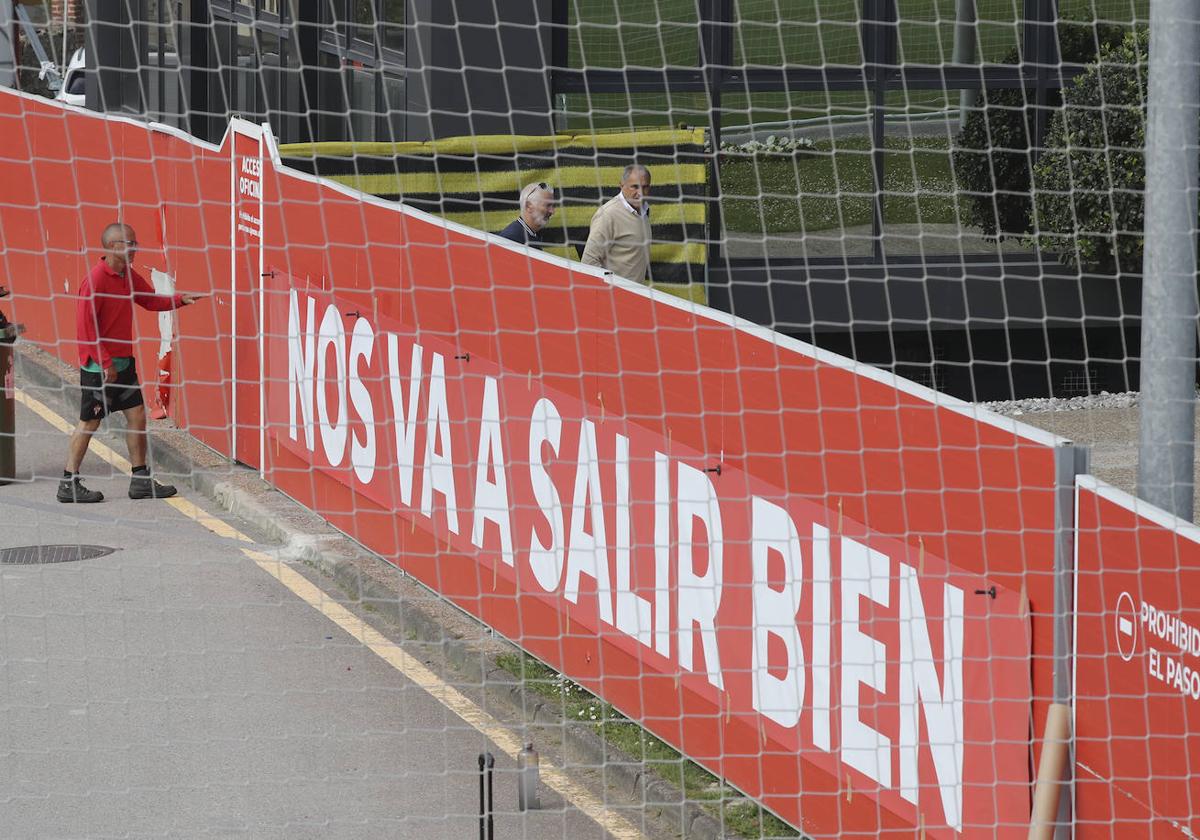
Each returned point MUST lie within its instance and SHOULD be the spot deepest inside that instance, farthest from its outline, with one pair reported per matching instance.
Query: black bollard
(491, 808)
(482, 805)
(8, 397)
(487, 828)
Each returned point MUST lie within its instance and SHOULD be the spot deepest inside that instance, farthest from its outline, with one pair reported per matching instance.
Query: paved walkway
(175, 688)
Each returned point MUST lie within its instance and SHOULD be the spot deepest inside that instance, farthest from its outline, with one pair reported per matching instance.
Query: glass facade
(331, 70)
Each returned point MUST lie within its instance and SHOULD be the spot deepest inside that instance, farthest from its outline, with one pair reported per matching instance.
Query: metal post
(716, 54)
(8, 415)
(879, 58)
(491, 806)
(878, 161)
(1069, 461)
(8, 397)
(65, 58)
(159, 41)
(487, 827)
(1169, 307)
(964, 53)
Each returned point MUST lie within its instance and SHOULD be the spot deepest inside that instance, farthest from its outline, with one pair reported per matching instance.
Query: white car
(74, 87)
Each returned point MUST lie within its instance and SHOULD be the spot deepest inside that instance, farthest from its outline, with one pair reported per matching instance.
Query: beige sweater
(619, 241)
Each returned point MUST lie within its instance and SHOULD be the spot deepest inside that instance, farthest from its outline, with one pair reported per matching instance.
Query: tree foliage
(991, 155)
(1090, 184)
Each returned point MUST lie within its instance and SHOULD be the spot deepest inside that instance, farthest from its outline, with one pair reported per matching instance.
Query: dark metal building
(363, 70)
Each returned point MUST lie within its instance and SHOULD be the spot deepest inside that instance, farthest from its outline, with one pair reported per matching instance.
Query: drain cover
(25, 555)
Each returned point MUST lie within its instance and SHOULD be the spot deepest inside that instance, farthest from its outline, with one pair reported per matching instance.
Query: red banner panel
(1137, 668)
(69, 173)
(774, 640)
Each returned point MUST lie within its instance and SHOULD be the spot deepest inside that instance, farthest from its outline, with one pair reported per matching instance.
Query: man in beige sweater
(619, 239)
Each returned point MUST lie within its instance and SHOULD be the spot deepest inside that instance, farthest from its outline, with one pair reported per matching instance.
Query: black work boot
(142, 486)
(71, 490)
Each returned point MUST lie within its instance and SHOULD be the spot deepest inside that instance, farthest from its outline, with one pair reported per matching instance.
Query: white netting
(679, 387)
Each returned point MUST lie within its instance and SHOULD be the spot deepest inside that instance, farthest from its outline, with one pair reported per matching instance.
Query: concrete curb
(408, 605)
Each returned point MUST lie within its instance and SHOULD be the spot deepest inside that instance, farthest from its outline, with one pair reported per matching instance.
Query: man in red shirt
(108, 374)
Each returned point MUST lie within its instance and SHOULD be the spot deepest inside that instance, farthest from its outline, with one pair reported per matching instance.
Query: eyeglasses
(132, 243)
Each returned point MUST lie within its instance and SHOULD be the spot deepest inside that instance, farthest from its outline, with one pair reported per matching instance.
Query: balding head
(120, 246)
(635, 169)
(114, 232)
(635, 184)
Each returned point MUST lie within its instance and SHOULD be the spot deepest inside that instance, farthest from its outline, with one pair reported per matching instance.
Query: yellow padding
(666, 252)
(567, 252)
(499, 144)
(578, 216)
(411, 183)
(678, 252)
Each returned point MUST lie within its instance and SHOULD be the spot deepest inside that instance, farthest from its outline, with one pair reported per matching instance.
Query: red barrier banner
(829, 585)
(69, 172)
(769, 637)
(1137, 668)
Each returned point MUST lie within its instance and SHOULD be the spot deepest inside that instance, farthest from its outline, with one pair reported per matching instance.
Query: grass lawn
(832, 187)
(775, 33)
(741, 815)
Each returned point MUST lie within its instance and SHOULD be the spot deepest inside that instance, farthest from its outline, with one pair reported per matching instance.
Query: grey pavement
(174, 689)
(1112, 436)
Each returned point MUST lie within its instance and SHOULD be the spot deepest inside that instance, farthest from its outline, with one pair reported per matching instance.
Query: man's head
(120, 246)
(635, 184)
(537, 205)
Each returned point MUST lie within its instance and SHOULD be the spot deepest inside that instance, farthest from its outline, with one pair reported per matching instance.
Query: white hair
(634, 167)
(530, 189)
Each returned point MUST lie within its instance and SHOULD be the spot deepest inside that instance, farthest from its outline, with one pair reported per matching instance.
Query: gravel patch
(1036, 405)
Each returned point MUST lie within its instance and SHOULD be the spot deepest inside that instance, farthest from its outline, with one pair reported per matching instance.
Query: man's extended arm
(145, 296)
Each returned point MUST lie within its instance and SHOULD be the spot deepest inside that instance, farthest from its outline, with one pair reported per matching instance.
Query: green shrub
(1089, 185)
(991, 152)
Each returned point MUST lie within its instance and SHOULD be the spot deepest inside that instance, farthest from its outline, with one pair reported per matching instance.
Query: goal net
(585, 418)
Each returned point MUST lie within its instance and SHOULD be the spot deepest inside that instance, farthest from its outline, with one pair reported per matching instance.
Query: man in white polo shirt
(619, 239)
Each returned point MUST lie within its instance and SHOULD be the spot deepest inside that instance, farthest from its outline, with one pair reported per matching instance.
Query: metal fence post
(1069, 460)
(1169, 307)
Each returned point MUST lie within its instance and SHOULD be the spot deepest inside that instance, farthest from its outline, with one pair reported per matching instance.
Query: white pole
(233, 290)
(262, 318)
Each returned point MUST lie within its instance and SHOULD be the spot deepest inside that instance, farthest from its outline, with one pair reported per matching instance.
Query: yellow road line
(121, 464)
(46, 413)
(221, 529)
(447, 695)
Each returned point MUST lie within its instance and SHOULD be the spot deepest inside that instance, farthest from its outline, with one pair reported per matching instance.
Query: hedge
(992, 165)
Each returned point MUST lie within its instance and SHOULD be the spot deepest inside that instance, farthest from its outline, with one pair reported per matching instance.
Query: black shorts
(98, 399)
